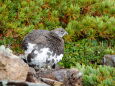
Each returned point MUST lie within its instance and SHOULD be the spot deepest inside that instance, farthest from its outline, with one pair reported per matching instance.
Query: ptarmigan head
(60, 32)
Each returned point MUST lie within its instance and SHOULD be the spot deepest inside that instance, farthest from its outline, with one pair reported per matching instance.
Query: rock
(31, 76)
(7, 52)
(109, 60)
(52, 82)
(12, 67)
(20, 83)
(69, 77)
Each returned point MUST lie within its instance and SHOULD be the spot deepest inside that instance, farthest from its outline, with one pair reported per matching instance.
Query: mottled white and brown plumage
(44, 48)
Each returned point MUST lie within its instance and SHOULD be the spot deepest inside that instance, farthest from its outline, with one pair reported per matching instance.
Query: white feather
(79, 75)
(30, 47)
(42, 56)
(40, 59)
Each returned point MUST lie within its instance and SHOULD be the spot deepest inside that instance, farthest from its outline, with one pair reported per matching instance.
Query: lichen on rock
(7, 52)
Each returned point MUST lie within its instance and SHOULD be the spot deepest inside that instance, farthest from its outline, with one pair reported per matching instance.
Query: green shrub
(82, 18)
(92, 28)
(100, 76)
(88, 52)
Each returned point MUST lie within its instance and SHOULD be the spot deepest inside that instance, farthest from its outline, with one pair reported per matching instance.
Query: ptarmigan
(44, 48)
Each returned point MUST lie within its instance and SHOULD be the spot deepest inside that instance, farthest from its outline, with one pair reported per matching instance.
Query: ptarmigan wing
(34, 37)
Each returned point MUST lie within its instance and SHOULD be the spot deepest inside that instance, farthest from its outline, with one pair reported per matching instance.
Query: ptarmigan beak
(66, 33)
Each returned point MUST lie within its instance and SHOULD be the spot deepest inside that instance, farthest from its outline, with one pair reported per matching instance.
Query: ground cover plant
(101, 76)
(90, 24)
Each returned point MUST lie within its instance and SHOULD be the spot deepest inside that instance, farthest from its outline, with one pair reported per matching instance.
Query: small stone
(109, 60)
(52, 82)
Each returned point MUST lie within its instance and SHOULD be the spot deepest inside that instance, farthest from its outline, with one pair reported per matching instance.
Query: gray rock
(69, 77)
(19, 83)
(12, 67)
(7, 52)
(31, 77)
(109, 60)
